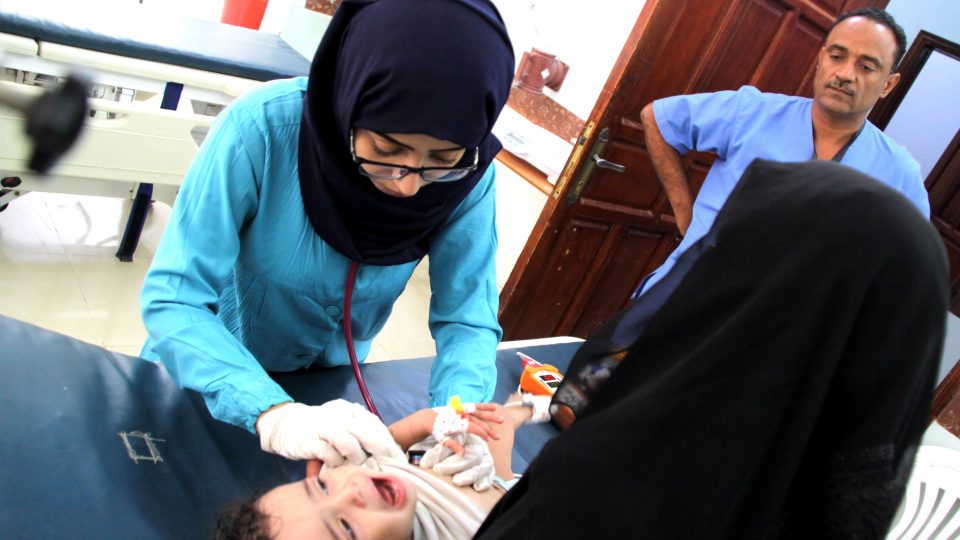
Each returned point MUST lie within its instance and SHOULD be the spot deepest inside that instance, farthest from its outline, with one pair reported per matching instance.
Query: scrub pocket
(285, 329)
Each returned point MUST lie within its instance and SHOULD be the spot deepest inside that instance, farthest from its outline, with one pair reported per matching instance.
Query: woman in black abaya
(774, 385)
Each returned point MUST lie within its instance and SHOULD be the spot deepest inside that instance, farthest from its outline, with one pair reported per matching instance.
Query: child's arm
(413, 428)
(493, 422)
(417, 426)
(501, 449)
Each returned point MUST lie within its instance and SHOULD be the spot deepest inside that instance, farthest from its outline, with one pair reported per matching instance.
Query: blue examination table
(97, 444)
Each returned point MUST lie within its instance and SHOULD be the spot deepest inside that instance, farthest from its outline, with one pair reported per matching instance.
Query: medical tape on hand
(452, 419)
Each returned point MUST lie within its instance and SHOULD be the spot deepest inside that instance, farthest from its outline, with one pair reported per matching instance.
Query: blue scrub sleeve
(463, 306)
(912, 187)
(194, 261)
(701, 122)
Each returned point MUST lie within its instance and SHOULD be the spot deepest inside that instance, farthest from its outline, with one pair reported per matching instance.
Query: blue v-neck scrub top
(743, 125)
(241, 284)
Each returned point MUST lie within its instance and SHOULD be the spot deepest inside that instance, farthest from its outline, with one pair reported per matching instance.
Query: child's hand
(475, 418)
(480, 419)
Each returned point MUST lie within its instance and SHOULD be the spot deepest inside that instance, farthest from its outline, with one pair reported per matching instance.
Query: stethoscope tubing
(348, 335)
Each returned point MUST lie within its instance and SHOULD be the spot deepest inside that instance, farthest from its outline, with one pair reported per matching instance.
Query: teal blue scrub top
(743, 125)
(241, 284)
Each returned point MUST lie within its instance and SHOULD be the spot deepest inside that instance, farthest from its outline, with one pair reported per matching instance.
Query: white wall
(202, 9)
(588, 36)
(929, 115)
(940, 17)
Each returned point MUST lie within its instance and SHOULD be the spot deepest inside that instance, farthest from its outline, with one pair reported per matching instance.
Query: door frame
(913, 61)
(946, 401)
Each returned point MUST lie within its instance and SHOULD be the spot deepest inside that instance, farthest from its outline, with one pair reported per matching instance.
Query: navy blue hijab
(439, 67)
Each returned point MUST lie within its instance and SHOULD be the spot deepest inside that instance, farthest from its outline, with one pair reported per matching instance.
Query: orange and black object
(538, 379)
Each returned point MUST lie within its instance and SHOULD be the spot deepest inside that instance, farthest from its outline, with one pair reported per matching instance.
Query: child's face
(345, 503)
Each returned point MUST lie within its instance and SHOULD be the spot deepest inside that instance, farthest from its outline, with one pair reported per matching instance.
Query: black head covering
(774, 384)
(439, 67)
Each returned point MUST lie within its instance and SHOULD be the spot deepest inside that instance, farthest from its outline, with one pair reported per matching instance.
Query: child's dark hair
(243, 520)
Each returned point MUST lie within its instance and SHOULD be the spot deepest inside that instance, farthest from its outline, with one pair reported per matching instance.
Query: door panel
(746, 44)
(781, 74)
(832, 6)
(602, 231)
(944, 186)
(620, 274)
(570, 258)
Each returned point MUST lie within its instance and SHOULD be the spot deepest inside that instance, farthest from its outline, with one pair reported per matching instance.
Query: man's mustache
(839, 87)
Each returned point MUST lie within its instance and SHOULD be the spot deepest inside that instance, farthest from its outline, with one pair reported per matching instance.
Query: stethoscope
(348, 335)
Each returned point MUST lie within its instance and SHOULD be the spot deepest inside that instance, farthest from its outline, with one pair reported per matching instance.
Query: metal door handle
(604, 164)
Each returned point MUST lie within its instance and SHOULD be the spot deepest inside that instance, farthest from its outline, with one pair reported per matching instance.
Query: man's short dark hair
(243, 520)
(880, 16)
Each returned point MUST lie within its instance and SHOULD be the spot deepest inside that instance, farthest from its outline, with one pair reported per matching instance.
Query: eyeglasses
(391, 171)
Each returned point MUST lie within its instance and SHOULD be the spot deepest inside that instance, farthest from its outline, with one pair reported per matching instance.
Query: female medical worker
(381, 157)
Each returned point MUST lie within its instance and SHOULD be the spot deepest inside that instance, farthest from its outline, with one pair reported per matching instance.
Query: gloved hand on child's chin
(474, 468)
(334, 432)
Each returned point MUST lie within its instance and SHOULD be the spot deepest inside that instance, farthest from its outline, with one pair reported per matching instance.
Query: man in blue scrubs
(856, 67)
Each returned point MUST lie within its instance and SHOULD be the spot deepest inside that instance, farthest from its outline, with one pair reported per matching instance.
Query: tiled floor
(58, 270)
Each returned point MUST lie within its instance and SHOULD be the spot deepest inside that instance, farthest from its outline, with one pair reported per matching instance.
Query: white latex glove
(333, 432)
(474, 468)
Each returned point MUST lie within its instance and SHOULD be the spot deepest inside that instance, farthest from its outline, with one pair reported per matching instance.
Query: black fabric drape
(777, 389)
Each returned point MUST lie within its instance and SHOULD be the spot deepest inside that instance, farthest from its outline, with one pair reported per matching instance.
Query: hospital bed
(97, 444)
(158, 83)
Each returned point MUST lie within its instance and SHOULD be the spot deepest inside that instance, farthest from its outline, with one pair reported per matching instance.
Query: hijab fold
(436, 67)
(442, 511)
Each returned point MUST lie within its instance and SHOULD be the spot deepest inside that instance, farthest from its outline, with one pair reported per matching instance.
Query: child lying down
(437, 490)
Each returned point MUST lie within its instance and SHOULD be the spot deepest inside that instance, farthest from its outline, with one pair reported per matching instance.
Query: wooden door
(602, 231)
